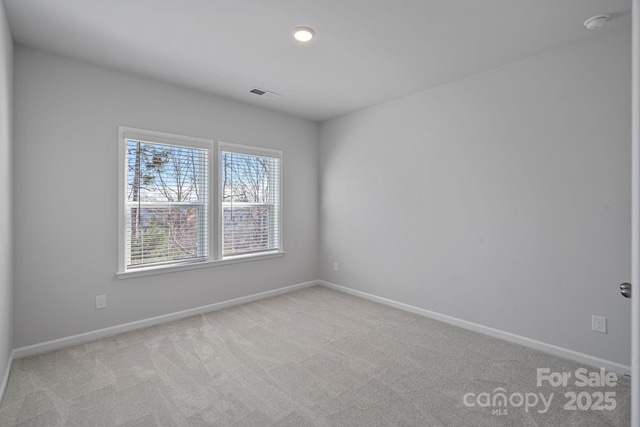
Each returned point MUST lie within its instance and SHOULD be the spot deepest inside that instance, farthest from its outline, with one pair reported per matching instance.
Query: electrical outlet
(335, 266)
(599, 324)
(101, 301)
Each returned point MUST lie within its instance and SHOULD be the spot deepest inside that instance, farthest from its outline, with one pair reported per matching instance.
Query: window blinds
(250, 186)
(166, 207)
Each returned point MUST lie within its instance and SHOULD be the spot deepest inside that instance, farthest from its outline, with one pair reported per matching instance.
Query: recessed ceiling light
(303, 34)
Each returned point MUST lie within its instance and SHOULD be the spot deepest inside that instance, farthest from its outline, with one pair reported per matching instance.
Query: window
(184, 205)
(250, 190)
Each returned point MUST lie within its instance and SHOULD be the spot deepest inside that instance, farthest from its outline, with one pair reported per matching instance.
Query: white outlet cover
(599, 324)
(101, 301)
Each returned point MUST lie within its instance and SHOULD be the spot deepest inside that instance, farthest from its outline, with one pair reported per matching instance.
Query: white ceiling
(365, 52)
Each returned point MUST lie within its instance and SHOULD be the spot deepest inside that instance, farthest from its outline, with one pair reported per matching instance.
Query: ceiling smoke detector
(596, 22)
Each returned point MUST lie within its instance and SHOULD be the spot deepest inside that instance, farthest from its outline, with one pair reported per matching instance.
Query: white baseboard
(126, 327)
(5, 377)
(507, 336)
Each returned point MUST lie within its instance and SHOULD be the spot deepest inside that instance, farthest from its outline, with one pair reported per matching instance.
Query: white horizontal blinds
(250, 203)
(166, 204)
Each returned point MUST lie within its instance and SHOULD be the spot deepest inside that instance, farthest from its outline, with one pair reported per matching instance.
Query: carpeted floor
(314, 357)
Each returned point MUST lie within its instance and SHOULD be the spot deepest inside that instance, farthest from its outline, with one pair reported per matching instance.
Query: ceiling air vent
(264, 93)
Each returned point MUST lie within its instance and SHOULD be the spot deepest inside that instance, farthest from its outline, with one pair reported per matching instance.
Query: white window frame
(214, 223)
(251, 151)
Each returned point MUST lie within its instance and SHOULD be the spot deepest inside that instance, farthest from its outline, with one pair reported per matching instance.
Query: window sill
(149, 271)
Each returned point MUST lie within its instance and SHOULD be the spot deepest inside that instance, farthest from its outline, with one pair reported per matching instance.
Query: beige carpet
(314, 357)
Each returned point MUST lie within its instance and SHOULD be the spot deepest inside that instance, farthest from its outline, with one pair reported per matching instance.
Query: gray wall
(6, 280)
(502, 199)
(67, 115)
